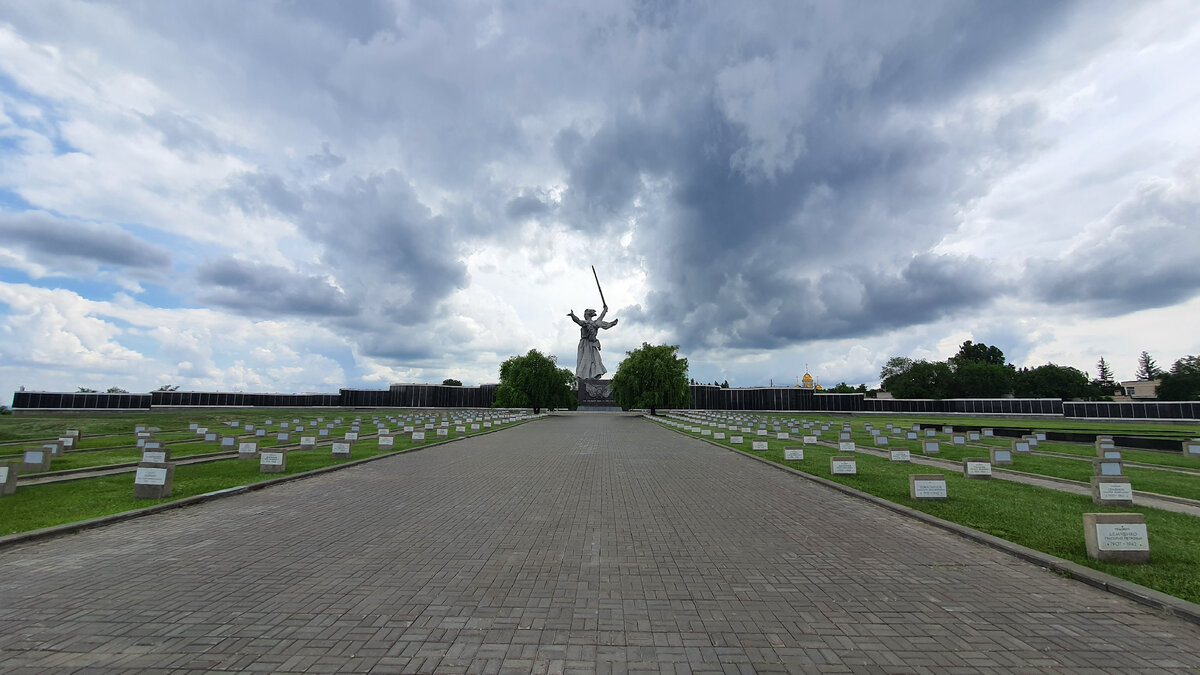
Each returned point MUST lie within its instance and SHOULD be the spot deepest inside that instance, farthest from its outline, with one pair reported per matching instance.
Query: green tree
(725, 384)
(168, 387)
(895, 366)
(451, 382)
(116, 390)
(1187, 365)
(1051, 381)
(980, 379)
(652, 376)
(923, 379)
(1181, 387)
(85, 390)
(843, 388)
(970, 352)
(1103, 371)
(1147, 369)
(1104, 385)
(533, 381)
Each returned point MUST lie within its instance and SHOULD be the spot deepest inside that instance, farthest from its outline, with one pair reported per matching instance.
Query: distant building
(1138, 390)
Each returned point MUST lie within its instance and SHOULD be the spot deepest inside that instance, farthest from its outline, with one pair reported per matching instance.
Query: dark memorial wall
(704, 397)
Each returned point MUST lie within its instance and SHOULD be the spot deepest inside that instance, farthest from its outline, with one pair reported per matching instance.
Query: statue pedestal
(596, 396)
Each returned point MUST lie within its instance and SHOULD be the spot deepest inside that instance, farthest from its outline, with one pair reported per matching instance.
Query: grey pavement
(585, 543)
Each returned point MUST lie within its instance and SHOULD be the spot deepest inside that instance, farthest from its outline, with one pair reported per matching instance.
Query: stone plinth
(1112, 491)
(596, 395)
(153, 480)
(8, 477)
(1116, 537)
(35, 459)
(272, 461)
(931, 486)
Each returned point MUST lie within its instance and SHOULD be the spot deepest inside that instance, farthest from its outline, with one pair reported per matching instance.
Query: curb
(11, 540)
(1167, 604)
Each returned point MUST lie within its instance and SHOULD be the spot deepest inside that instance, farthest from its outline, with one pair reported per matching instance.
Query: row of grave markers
(1117, 537)
(154, 474)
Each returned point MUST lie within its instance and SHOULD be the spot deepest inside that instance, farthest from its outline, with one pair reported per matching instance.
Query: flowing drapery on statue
(588, 365)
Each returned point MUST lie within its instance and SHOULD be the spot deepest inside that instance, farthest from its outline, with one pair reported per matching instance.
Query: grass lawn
(1039, 518)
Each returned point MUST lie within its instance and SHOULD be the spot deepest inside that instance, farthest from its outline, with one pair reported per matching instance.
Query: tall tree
(1103, 372)
(451, 382)
(924, 379)
(533, 381)
(896, 365)
(1051, 381)
(1187, 365)
(652, 376)
(1147, 369)
(970, 352)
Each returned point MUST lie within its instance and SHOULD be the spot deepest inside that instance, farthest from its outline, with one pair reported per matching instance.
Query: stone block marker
(153, 480)
(247, 449)
(387, 442)
(418, 437)
(35, 459)
(758, 445)
(927, 486)
(845, 446)
(308, 442)
(1116, 537)
(272, 461)
(1002, 457)
(1107, 452)
(1112, 491)
(341, 449)
(8, 477)
(977, 467)
(1107, 467)
(1192, 448)
(156, 455)
(900, 456)
(958, 439)
(843, 466)
(55, 447)
(736, 440)
(930, 447)
(1020, 445)
(793, 454)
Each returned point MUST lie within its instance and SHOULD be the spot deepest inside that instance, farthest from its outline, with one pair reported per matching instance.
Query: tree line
(980, 371)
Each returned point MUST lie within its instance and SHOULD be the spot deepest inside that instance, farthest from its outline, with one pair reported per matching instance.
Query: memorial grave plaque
(200, 431)
(1040, 435)
(844, 436)
(352, 435)
(443, 432)
(843, 466)
(911, 436)
(8, 478)
(845, 446)
(900, 456)
(66, 443)
(260, 433)
(55, 448)
(1001, 457)
(793, 454)
(977, 467)
(418, 436)
(972, 435)
(161, 456)
(308, 442)
(704, 432)
(947, 430)
(881, 440)
(281, 437)
(341, 448)
(1116, 537)
(1192, 448)
(460, 429)
(284, 425)
(1108, 453)
(210, 437)
(191, 427)
(387, 442)
(487, 425)
(1112, 491)
(1033, 441)
(758, 445)
(35, 460)
(988, 432)
(153, 481)
(809, 439)
(1107, 467)
(1020, 445)
(272, 461)
(248, 427)
(247, 449)
(736, 440)
(781, 436)
(925, 487)
(228, 443)
(958, 439)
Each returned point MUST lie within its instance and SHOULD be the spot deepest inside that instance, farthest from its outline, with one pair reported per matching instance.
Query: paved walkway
(574, 544)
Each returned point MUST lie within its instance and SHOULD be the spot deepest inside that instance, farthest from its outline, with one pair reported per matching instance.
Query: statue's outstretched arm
(575, 318)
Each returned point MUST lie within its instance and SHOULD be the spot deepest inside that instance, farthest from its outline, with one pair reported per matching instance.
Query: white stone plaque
(308, 440)
(1192, 448)
(1002, 456)
(340, 448)
(210, 437)
(271, 459)
(387, 441)
(1021, 446)
(148, 475)
(781, 436)
(973, 435)
(418, 435)
(910, 435)
(486, 425)
(1116, 491)
(979, 468)
(3, 474)
(151, 457)
(706, 432)
(1122, 537)
(959, 439)
(261, 433)
(845, 467)
(901, 456)
(719, 436)
(758, 445)
(443, 432)
(1112, 454)
(35, 456)
(988, 432)
(474, 426)
(810, 440)
(737, 440)
(794, 454)
(281, 437)
(929, 489)
(352, 435)
(1110, 468)
(881, 440)
(846, 446)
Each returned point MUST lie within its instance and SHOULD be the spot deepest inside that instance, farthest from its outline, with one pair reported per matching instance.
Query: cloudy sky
(295, 195)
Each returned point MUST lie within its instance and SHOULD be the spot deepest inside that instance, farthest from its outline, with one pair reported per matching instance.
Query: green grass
(1039, 518)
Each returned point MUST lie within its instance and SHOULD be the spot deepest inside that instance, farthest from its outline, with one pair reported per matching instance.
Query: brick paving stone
(577, 544)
